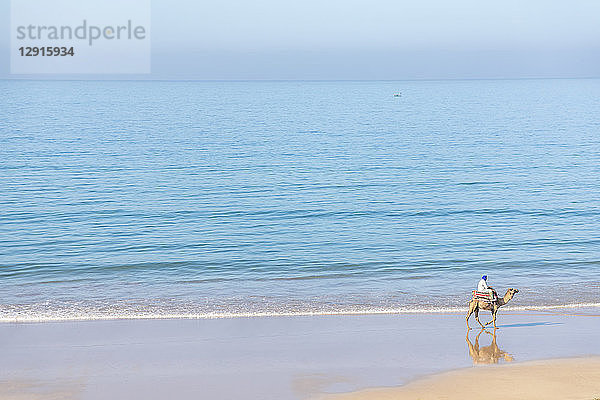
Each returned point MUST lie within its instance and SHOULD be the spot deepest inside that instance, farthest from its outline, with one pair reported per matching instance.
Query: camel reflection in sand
(489, 354)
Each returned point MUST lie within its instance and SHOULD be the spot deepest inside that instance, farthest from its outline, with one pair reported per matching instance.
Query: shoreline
(595, 307)
(283, 358)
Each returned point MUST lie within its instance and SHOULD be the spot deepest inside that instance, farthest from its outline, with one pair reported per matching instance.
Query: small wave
(554, 307)
(479, 183)
(14, 316)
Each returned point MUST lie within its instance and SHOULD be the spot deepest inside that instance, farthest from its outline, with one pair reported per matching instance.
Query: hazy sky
(369, 39)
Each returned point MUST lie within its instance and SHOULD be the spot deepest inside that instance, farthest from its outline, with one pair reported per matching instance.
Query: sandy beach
(301, 357)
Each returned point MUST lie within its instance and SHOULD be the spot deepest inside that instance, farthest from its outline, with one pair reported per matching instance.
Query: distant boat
(398, 94)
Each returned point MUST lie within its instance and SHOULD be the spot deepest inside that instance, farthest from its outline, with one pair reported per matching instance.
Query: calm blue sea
(199, 199)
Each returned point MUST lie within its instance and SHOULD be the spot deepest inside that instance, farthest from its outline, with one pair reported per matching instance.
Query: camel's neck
(507, 297)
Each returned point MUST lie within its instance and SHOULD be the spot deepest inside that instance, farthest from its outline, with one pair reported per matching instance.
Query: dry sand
(564, 379)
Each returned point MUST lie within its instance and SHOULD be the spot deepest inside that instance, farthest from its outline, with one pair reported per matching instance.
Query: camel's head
(511, 292)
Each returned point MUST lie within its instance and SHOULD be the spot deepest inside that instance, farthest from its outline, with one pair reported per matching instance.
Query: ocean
(191, 199)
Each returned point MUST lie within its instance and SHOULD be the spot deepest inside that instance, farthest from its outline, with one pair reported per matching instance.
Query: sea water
(131, 199)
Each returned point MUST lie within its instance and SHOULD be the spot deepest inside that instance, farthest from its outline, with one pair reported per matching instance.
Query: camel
(489, 354)
(475, 305)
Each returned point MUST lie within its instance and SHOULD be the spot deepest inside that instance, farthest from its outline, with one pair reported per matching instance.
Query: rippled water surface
(217, 198)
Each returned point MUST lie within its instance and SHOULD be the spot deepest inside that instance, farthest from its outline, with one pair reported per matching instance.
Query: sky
(367, 39)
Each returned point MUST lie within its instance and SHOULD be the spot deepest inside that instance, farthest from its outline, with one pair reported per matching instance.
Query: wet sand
(299, 357)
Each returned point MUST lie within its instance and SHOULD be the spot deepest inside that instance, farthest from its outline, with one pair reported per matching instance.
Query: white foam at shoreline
(48, 316)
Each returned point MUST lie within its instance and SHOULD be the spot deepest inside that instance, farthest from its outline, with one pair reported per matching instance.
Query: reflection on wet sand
(489, 354)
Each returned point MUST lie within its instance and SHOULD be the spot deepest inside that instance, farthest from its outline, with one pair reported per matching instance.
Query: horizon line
(128, 79)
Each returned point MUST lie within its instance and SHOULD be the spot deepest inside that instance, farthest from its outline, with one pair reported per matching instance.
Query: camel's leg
(493, 311)
(487, 323)
(477, 317)
(493, 321)
(472, 305)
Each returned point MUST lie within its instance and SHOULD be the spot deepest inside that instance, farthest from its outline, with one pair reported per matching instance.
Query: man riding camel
(483, 287)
